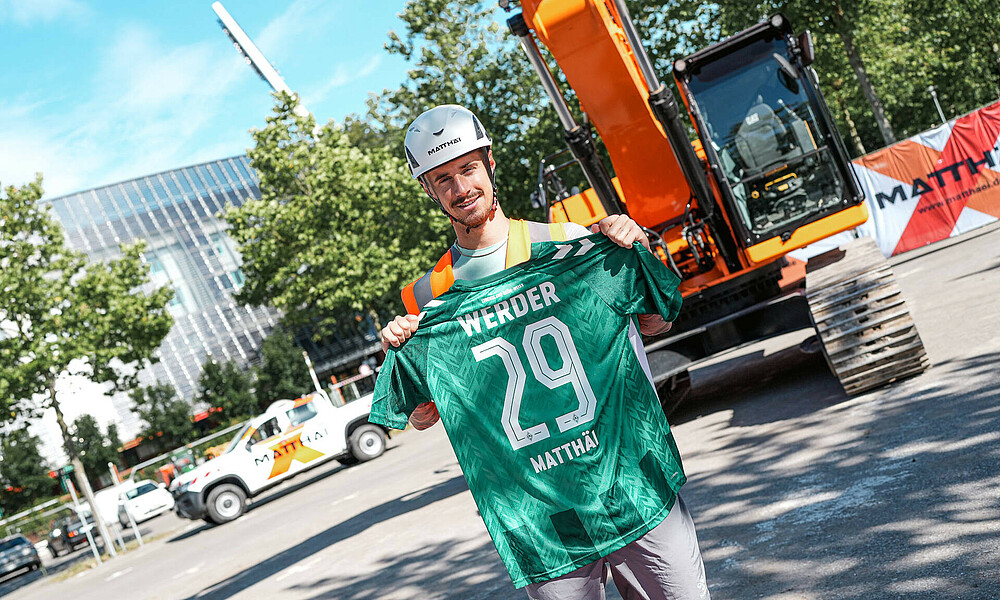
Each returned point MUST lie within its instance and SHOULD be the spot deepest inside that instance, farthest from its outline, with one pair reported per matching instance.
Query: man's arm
(622, 230)
(394, 334)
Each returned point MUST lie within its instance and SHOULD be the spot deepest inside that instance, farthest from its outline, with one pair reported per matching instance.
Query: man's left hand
(653, 325)
(622, 230)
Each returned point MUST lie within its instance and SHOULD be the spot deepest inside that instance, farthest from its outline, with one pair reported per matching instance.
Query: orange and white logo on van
(288, 450)
(304, 400)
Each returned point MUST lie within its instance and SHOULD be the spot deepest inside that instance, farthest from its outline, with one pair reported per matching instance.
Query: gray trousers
(664, 564)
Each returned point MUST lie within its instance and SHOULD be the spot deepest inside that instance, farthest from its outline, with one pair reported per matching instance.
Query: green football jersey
(542, 384)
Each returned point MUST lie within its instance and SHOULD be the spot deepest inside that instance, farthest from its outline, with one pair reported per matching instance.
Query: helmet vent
(413, 162)
(439, 131)
(479, 129)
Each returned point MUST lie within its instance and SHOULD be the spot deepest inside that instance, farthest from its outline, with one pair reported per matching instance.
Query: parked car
(17, 552)
(143, 500)
(69, 533)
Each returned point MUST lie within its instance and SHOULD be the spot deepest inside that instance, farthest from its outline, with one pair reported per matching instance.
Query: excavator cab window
(754, 111)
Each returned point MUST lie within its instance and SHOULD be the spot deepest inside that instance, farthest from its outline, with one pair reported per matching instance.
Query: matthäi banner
(937, 184)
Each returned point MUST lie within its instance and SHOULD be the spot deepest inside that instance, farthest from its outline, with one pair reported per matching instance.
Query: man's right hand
(398, 330)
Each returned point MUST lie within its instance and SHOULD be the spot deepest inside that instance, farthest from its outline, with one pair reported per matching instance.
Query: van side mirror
(808, 51)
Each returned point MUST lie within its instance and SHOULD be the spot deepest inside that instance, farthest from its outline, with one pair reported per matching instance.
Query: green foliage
(338, 229)
(167, 417)
(58, 309)
(95, 447)
(226, 386)
(460, 54)
(283, 372)
(63, 315)
(904, 46)
(23, 470)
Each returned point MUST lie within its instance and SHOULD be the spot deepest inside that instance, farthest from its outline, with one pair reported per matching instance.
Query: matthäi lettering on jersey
(531, 300)
(570, 450)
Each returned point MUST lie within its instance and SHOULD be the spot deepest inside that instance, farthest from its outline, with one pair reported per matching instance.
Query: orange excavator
(765, 172)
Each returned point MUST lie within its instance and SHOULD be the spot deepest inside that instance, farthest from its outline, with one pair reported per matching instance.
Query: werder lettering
(444, 145)
(490, 317)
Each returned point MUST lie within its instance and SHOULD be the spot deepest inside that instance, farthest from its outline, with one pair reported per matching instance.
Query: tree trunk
(855, 137)
(847, 36)
(81, 475)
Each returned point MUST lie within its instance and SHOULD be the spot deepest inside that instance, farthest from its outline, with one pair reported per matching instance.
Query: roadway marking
(344, 499)
(190, 571)
(118, 574)
(292, 570)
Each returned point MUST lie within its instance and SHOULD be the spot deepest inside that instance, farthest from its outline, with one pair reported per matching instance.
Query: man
(657, 557)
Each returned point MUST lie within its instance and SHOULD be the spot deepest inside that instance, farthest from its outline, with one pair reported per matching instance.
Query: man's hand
(398, 330)
(653, 325)
(424, 415)
(622, 230)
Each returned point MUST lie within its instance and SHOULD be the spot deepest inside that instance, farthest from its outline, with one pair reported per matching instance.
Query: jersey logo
(565, 249)
(288, 450)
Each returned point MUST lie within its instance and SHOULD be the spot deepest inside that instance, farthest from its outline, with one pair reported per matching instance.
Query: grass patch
(89, 563)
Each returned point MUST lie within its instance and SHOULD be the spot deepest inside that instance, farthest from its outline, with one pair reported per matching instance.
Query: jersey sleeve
(632, 281)
(401, 385)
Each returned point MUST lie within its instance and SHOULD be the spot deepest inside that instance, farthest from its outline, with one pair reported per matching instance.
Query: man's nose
(462, 185)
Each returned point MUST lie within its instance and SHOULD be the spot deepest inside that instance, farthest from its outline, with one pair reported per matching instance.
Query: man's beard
(478, 217)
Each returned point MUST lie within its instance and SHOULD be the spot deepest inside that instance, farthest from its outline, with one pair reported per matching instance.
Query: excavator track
(861, 318)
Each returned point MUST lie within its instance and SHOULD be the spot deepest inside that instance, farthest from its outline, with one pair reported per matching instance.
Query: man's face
(463, 187)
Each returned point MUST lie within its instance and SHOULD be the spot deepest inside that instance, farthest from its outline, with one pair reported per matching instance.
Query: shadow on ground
(898, 501)
(357, 524)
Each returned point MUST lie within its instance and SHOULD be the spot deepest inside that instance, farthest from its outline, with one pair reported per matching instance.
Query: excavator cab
(778, 161)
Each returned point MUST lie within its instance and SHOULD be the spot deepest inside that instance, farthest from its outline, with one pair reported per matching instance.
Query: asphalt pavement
(798, 491)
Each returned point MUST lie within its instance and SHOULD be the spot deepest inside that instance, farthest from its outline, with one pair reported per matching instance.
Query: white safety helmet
(440, 135)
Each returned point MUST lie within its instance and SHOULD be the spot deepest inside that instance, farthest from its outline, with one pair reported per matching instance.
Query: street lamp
(252, 55)
(930, 89)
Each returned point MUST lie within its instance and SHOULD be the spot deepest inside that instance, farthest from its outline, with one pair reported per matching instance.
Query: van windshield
(237, 438)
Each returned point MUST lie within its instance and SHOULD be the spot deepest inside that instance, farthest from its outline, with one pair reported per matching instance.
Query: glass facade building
(187, 247)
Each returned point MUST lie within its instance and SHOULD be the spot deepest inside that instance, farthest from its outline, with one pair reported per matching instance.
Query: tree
(167, 417)
(337, 230)
(96, 448)
(283, 372)
(61, 315)
(461, 55)
(226, 386)
(24, 477)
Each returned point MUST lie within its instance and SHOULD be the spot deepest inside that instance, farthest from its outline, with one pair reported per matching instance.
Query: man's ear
(489, 155)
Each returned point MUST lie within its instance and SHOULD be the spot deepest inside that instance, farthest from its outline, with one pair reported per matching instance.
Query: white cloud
(152, 106)
(303, 18)
(147, 105)
(28, 12)
(342, 75)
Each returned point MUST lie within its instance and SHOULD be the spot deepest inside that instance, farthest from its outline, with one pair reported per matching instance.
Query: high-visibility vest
(439, 279)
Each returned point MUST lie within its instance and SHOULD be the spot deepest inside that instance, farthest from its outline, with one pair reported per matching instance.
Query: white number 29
(570, 373)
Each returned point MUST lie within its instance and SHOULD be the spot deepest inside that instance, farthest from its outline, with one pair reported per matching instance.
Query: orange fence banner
(934, 185)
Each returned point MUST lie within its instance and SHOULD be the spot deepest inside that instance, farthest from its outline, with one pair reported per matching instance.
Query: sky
(94, 92)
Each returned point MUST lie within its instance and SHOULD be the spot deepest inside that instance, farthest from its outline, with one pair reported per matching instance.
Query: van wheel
(225, 503)
(367, 442)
